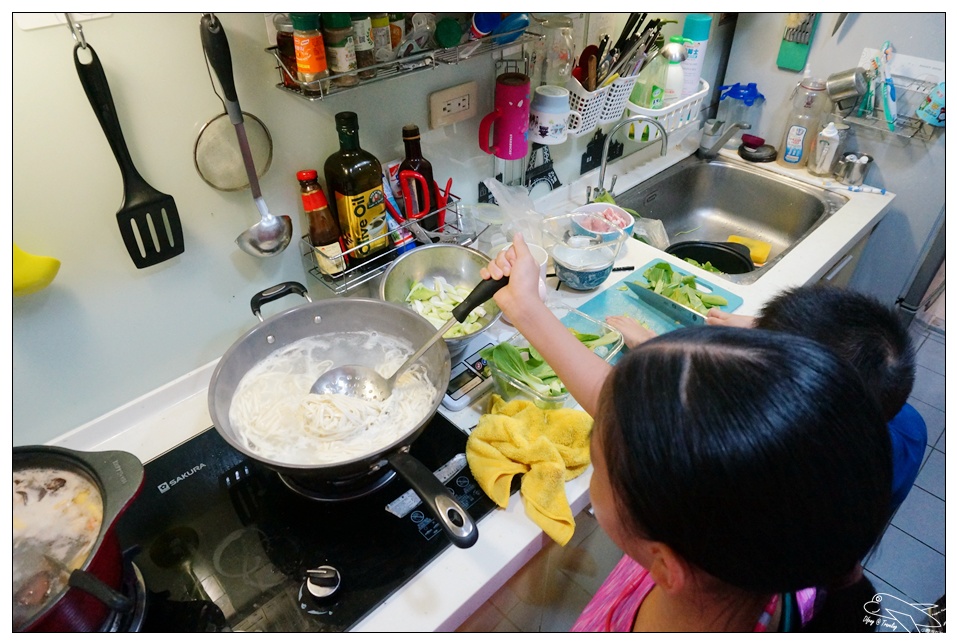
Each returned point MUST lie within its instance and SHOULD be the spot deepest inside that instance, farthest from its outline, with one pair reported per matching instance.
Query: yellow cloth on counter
(549, 447)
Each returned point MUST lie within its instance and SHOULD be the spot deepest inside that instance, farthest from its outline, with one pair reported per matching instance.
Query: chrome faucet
(600, 190)
(711, 142)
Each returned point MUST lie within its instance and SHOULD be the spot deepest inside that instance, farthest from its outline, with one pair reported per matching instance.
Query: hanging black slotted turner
(149, 222)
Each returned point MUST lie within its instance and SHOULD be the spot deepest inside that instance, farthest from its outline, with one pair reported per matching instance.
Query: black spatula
(149, 222)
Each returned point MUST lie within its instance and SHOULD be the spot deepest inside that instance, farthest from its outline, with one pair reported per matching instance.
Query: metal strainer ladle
(366, 383)
(272, 234)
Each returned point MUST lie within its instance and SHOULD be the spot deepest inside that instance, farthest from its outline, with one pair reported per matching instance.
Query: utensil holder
(587, 104)
(616, 99)
(851, 170)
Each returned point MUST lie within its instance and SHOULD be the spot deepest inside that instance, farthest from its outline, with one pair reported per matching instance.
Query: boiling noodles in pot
(275, 416)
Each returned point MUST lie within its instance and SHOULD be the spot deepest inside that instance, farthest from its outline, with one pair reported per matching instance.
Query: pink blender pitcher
(510, 118)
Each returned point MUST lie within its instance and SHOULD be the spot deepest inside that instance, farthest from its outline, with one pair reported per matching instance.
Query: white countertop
(442, 595)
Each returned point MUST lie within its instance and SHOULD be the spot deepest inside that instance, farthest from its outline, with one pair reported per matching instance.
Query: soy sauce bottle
(415, 161)
(354, 182)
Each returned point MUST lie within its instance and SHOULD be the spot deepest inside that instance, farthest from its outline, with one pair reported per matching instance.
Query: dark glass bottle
(323, 227)
(416, 162)
(354, 182)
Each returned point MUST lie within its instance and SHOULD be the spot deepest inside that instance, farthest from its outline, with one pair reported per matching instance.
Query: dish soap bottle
(354, 181)
(804, 122)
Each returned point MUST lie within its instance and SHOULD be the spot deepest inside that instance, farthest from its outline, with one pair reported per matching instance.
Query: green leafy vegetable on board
(680, 288)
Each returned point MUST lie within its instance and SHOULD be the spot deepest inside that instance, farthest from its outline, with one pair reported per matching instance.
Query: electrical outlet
(453, 104)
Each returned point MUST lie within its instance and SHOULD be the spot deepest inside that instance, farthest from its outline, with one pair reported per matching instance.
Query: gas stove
(225, 544)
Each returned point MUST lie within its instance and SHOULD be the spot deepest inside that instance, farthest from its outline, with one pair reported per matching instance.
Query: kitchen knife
(678, 312)
(837, 25)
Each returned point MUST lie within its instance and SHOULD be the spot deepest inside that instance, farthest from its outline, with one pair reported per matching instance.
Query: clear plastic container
(509, 388)
(739, 104)
(804, 122)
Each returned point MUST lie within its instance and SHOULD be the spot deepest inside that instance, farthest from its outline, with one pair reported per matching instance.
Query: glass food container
(509, 388)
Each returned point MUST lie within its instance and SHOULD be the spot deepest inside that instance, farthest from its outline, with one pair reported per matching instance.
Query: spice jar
(286, 47)
(340, 48)
(365, 47)
(310, 53)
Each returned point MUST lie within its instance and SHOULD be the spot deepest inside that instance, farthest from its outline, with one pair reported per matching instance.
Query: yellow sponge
(759, 249)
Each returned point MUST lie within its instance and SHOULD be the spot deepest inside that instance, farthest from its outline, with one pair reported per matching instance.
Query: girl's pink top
(614, 607)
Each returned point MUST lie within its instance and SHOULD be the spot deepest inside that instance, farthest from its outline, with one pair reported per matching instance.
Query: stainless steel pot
(341, 315)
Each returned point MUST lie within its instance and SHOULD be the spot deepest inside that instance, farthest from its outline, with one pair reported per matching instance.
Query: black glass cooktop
(224, 544)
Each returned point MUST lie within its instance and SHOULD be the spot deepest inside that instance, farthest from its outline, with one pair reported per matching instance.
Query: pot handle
(453, 518)
(89, 583)
(274, 293)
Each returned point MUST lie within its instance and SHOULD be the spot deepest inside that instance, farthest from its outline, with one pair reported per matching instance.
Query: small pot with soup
(67, 562)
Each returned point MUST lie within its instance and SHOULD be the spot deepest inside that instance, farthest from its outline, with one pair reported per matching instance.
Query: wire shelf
(457, 229)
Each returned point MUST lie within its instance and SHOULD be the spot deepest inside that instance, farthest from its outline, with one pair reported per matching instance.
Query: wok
(342, 315)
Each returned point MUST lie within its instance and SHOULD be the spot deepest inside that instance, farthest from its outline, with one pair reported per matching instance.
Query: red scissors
(406, 177)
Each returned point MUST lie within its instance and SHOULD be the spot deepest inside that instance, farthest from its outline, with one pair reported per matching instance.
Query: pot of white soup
(67, 564)
(333, 447)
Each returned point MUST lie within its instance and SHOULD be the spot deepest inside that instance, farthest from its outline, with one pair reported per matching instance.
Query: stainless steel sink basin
(709, 200)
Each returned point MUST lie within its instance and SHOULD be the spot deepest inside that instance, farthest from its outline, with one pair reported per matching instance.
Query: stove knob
(322, 582)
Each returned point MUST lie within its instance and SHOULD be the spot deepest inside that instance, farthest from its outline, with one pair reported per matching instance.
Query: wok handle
(274, 293)
(453, 518)
(482, 293)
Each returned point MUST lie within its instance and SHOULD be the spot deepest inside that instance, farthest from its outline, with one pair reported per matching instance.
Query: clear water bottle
(808, 105)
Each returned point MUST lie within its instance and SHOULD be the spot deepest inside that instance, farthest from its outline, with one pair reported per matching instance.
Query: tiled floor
(548, 594)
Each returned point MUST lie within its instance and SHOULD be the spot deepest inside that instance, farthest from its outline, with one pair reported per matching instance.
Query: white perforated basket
(676, 116)
(616, 99)
(587, 104)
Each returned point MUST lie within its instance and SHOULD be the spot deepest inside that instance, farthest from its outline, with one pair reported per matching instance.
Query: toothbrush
(888, 90)
(866, 106)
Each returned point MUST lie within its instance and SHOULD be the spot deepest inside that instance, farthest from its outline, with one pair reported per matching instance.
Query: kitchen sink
(708, 200)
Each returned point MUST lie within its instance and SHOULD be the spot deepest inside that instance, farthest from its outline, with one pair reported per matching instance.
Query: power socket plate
(453, 104)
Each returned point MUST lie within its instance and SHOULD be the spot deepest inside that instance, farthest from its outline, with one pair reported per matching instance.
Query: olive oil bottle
(354, 181)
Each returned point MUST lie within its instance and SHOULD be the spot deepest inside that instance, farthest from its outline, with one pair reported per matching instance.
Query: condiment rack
(405, 65)
(457, 229)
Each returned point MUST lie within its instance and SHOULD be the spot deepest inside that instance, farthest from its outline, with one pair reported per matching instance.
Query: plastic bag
(652, 232)
(519, 211)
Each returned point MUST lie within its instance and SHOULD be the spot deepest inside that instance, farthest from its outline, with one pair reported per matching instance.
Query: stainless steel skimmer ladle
(366, 383)
(272, 234)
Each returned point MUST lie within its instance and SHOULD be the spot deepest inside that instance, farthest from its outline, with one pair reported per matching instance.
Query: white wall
(911, 168)
(105, 333)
